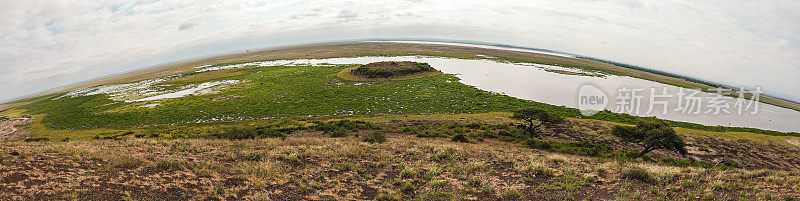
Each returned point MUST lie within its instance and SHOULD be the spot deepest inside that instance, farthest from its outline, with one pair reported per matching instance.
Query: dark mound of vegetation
(387, 69)
(342, 127)
(375, 137)
(652, 135)
(460, 138)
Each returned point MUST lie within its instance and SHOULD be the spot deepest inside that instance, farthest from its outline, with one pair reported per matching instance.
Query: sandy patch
(795, 142)
(9, 128)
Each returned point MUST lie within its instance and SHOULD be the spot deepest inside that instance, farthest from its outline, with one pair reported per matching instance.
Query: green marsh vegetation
(299, 91)
(302, 91)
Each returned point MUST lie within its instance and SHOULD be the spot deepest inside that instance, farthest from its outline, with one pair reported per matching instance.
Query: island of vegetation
(387, 69)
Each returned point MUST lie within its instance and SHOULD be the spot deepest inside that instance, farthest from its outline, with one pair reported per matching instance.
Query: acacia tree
(530, 115)
(652, 135)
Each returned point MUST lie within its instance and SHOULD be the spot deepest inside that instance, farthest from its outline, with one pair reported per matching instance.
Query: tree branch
(645, 151)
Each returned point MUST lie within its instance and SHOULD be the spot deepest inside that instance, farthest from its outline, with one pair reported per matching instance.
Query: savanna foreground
(392, 160)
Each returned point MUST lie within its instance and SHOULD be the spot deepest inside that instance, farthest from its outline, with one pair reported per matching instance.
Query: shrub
(503, 133)
(247, 132)
(637, 173)
(238, 133)
(729, 163)
(113, 135)
(583, 148)
(375, 137)
(271, 133)
(538, 170)
(533, 114)
(339, 133)
(538, 144)
(459, 138)
(38, 139)
(652, 135)
(341, 127)
(430, 134)
(408, 173)
(387, 69)
(685, 163)
(512, 194)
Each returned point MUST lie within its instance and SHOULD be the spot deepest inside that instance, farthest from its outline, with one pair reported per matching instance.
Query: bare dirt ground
(9, 128)
(794, 142)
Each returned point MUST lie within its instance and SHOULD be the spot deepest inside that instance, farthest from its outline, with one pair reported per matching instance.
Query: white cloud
(52, 43)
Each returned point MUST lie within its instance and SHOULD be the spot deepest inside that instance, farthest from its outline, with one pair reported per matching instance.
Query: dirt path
(9, 128)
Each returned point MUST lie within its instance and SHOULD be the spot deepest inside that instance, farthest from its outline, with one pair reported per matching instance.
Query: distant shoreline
(544, 56)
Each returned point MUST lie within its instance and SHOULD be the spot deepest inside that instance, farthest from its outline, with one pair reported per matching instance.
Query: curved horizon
(747, 44)
(444, 41)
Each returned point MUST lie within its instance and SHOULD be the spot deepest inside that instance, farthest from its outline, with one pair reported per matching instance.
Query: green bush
(39, 139)
(504, 133)
(345, 125)
(512, 194)
(538, 144)
(531, 114)
(391, 68)
(685, 163)
(459, 138)
(652, 135)
(269, 133)
(248, 132)
(238, 133)
(340, 132)
(430, 134)
(638, 173)
(729, 163)
(583, 148)
(113, 135)
(375, 137)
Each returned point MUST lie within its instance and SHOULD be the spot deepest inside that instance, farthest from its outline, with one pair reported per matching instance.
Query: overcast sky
(49, 43)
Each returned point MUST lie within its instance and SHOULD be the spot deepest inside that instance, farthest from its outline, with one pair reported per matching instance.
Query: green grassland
(278, 92)
(302, 91)
(354, 49)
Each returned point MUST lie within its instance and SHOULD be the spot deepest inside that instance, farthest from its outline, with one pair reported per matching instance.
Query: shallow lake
(560, 86)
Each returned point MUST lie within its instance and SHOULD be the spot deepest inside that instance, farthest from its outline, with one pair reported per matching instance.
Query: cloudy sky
(49, 43)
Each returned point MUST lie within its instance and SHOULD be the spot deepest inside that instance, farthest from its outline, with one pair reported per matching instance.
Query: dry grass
(319, 167)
